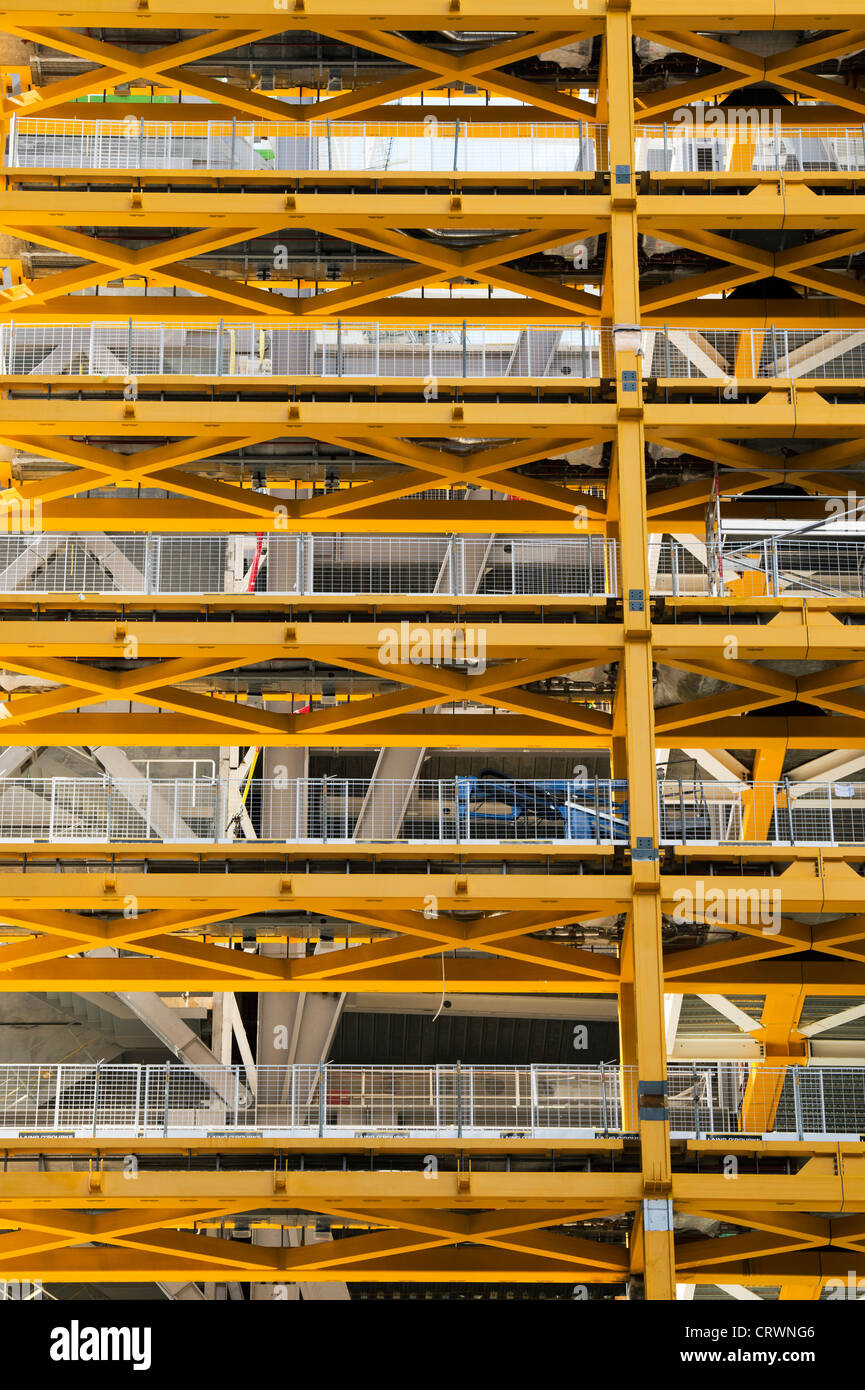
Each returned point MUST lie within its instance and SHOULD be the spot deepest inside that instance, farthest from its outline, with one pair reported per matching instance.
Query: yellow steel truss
(176, 925)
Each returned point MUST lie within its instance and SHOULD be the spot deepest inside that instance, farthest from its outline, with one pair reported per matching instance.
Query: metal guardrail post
(775, 571)
(465, 352)
(219, 331)
(789, 802)
(128, 348)
(696, 1102)
(57, 1095)
(339, 347)
(459, 1100)
(166, 1079)
(831, 840)
(149, 571)
(822, 1101)
(604, 1113)
(456, 142)
(138, 1071)
(797, 1103)
(583, 357)
(96, 1082)
(233, 142)
(322, 1100)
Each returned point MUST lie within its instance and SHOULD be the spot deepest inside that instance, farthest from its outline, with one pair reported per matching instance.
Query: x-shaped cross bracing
(167, 261)
(424, 68)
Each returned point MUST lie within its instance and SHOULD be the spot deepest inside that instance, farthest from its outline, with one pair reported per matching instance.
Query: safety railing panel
(703, 1098)
(322, 810)
(432, 145)
(310, 565)
(731, 355)
(739, 142)
(714, 1098)
(352, 565)
(424, 352)
(767, 566)
(773, 813)
(729, 141)
(463, 811)
(92, 1100)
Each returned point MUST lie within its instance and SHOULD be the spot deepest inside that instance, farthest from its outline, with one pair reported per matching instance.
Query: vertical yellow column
(634, 728)
(783, 1046)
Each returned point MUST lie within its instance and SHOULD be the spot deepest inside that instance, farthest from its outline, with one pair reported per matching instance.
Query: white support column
(672, 1010)
(296, 1028)
(14, 760)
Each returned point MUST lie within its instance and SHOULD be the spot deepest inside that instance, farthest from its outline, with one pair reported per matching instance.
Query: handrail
(298, 350)
(92, 1101)
(730, 141)
(467, 810)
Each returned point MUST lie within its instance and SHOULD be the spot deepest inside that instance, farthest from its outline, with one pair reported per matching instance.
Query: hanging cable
(442, 1004)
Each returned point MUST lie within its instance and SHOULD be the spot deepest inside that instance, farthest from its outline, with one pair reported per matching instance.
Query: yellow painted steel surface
(164, 669)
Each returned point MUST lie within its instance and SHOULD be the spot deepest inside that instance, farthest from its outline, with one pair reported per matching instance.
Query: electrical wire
(442, 1004)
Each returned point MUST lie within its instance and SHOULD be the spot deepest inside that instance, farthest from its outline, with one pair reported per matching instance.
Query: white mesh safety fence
(728, 142)
(347, 564)
(433, 145)
(720, 1098)
(275, 563)
(489, 808)
(424, 353)
(453, 811)
(739, 142)
(120, 1099)
(781, 813)
(703, 1098)
(767, 566)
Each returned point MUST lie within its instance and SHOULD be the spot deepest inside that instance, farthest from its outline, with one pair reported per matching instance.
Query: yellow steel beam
(176, 929)
(506, 1226)
(473, 15)
(773, 416)
(46, 930)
